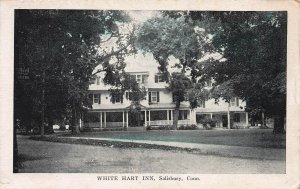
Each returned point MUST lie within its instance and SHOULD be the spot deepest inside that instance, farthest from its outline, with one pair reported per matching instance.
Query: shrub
(187, 127)
(208, 122)
(159, 127)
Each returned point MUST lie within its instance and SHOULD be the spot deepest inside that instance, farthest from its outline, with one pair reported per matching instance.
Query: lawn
(241, 137)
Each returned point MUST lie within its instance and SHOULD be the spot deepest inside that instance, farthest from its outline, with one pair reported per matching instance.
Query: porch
(144, 118)
(227, 120)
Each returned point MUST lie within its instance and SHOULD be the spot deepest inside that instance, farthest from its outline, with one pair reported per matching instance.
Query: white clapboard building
(158, 107)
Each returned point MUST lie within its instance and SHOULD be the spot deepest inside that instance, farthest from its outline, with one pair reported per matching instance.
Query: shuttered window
(95, 98)
(153, 96)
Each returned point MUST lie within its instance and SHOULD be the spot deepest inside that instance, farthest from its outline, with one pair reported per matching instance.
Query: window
(201, 103)
(236, 117)
(129, 95)
(95, 98)
(92, 80)
(234, 102)
(98, 80)
(153, 96)
(144, 78)
(159, 78)
(159, 115)
(116, 98)
(182, 114)
(139, 78)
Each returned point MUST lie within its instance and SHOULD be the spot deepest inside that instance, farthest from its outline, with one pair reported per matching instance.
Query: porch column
(123, 123)
(263, 119)
(190, 116)
(228, 119)
(194, 116)
(168, 117)
(172, 116)
(100, 119)
(80, 123)
(211, 115)
(149, 118)
(145, 118)
(104, 119)
(247, 121)
(126, 119)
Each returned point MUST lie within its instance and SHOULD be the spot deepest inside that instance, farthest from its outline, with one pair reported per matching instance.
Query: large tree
(253, 61)
(178, 37)
(61, 48)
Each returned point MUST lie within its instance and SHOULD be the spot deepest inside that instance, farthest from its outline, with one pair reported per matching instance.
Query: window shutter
(91, 98)
(156, 78)
(127, 95)
(237, 101)
(203, 103)
(173, 97)
(113, 99)
(157, 96)
(143, 78)
(99, 102)
(121, 98)
(149, 96)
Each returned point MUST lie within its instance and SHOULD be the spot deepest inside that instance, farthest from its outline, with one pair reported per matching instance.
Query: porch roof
(167, 106)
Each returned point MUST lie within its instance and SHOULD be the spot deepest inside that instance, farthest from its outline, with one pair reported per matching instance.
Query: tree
(253, 63)
(61, 48)
(164, 37)
(178, 85)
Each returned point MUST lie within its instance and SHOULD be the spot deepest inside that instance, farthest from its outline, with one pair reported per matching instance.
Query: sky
(145, 62)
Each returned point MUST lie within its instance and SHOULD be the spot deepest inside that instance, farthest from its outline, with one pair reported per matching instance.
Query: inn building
(157, 108)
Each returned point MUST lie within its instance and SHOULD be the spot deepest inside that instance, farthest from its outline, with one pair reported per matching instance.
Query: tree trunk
(75, 122)
(278, 124)
(175, 118)
(176, 115)
(138, 118)
(15, 152)
(50, 124)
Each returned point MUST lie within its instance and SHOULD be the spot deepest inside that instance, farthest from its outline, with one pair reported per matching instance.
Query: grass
(243, 137)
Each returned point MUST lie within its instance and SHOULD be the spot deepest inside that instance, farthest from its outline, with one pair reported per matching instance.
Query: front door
(224, 120)
(136, 119)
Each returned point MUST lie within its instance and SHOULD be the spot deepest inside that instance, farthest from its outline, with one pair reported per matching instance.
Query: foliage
(161, 127)
(61, 48)
(178, 85)
(187, 127)
(166, 37)
(208, 122)
(253, 45)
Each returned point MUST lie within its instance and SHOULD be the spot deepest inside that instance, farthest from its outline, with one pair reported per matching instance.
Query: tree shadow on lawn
(23, 158)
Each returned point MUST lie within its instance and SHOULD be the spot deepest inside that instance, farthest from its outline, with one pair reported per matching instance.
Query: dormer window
(234, 101)
(140, 78)
(159, 78)
(117, 98)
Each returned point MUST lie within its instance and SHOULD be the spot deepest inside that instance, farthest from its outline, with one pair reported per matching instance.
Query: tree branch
(98, 71)
(113, 53)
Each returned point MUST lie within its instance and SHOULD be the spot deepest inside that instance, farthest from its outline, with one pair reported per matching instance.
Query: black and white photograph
(150, 95)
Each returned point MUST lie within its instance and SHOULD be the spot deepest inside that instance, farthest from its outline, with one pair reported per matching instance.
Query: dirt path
(47, 157)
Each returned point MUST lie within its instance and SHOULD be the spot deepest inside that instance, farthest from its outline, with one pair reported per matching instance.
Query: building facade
(157, 108)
